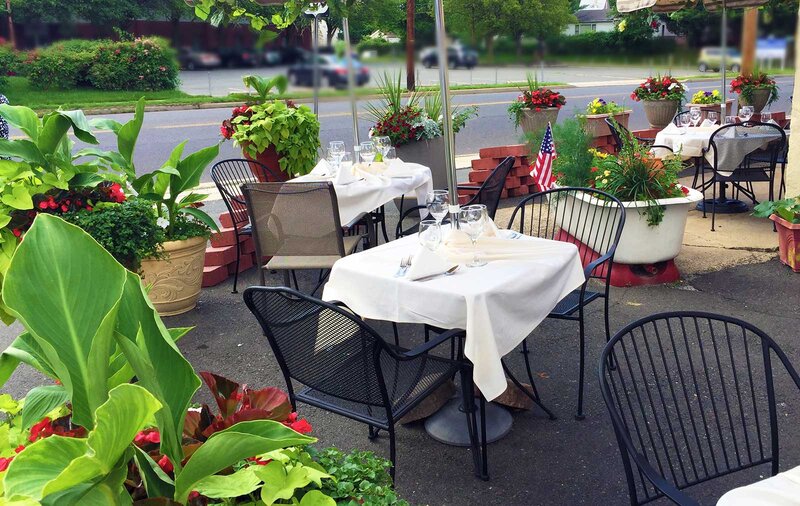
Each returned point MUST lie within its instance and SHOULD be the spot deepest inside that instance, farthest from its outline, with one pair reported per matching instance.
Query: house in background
(594, 16)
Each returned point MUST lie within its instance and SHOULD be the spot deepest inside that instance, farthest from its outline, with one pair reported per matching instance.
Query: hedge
(9, 62)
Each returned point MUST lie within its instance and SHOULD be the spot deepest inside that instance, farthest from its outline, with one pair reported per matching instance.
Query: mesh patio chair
(691, 399)
(750, 170)
(347, 368)
(563, 214)
(228, 176)
(297, 226)
(782, 159)
(619, 131)
(488, 194)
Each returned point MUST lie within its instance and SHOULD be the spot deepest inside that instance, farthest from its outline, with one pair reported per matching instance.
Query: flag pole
(447, 116)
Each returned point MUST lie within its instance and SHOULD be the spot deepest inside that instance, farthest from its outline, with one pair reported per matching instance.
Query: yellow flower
(607, 173)
(604, 181)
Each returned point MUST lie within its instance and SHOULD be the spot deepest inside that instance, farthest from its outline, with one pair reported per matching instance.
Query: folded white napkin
(345, 174)
(707, 123)
(399, 169)
(322, 168)
(671, 129)
(427, 263)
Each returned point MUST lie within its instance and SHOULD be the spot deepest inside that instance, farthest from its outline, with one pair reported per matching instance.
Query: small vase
(660, 112)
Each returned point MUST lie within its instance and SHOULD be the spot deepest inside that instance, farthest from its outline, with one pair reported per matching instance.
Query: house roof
(593, 15)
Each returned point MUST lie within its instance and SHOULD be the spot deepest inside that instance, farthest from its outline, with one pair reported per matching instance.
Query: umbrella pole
(351, 78)
(315, 67)
(723, 64)
(447, 117)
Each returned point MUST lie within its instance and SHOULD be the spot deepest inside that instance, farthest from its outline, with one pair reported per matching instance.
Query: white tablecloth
(498, 305)
(369, 194)
(696, 139)
(783, 489)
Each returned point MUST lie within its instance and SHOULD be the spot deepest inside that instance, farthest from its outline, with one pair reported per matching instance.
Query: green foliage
(142, 64)
(361, 478)
(573, 165)
(603, 43)
(788, 209)
(53, 69)
(379, 46)
(264, 86)
(128, 230)
(9, 63)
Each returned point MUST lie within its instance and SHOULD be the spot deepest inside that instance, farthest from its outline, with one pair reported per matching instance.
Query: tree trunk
(411, 83)
(329, 36)
(490, 47)
(175, 24)
(518, 39)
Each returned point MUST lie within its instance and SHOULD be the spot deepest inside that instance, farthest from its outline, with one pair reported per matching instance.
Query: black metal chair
(347, 368)
(691, 398)
(618, 132)
(782, 159)
(750, 170)
(563, 214)
(488, 194)
(228, 176)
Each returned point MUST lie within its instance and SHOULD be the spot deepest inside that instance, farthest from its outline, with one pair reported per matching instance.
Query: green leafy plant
(659, 88)
(600, 106)
(788, 209)
(572, 143)
(707, 97)
(128, 230)
(293, 131)
(361, 478)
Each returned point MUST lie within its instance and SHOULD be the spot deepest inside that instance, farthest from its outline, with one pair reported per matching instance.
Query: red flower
(257, 461)
(165, 464)
(19, 448)
(41, 430)
(43, 204)
(685, 190)
(594, 169)
(301, 426)
(147, 436)
(4, 462)
(17, 232)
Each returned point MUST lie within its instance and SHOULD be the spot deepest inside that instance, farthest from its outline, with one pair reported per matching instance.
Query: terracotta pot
(271, 159)
(596, 123)
(660, 112)
(788, 242)
(533, 121)
(175, 280)
(760, 99)
(429, 153)
(706, 108)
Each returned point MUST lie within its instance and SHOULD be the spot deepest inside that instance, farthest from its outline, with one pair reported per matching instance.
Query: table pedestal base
(449, 424)
(726, 206)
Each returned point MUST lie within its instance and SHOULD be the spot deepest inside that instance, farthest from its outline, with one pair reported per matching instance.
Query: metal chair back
(691, 397)
(321, 345)
(491, 190)
(229, 175)
(589, 218)
(294, 219)
(769, 154)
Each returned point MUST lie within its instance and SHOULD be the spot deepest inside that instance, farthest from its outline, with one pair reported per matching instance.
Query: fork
(404, 263)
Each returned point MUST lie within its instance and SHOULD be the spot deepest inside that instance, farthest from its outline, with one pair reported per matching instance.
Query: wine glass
(382, 144)
(430, 234)
(695, 115)
(712, 117)
(346, 161)
(685, 120)
(438, 202)
(471, 220)
(390, 155)
(335, 150)
(730, 120)
(368, 152)
(745, 112)
(766, 117)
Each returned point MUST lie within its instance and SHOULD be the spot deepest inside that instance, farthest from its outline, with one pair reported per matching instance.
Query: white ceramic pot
(640, 243)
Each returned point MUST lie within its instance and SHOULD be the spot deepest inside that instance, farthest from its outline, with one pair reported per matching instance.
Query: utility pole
(410, 13)
(11, 37)
(749, 33)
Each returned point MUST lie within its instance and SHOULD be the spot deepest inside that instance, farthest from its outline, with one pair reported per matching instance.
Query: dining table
(726, 155)
(496, 305)
(783, 489)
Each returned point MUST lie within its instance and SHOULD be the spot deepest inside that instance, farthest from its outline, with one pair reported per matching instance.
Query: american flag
(542, 170)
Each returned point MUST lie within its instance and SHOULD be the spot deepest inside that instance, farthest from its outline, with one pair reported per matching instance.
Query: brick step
(223, 255)
(214, 275)
(225, 237)
(245, 263)
(504, 151)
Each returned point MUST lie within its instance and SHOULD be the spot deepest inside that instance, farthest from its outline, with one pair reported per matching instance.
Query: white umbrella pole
(723, 64)
(447, 117)
(351, 78)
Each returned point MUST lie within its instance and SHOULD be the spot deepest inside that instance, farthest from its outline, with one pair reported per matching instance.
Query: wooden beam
(793, 167)
(749, 34)
(410, 14)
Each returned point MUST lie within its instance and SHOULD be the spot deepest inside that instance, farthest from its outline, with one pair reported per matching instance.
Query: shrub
(380, 46)
(51, 68)
(143, 64)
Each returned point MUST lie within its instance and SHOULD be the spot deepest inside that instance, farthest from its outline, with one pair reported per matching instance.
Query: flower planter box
(788, 242)
(533, 121)
(706, 108)
(639, 243)
(660, 112)
(596, 123)
(429, 153)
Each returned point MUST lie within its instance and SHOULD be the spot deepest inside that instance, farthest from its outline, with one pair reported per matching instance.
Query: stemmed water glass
(730, 120)
(766, 117)
(695, 115)
(712, 117)
(430, 234)
(390, 155)
(438, 202)
(368, 152)
(685, 120)
(471, 220)
(346, 161)
(335, 152)
(382, 144)
(745, 112)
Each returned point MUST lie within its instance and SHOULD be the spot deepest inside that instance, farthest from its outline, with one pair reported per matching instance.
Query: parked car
(191, 59)
(284, 55)
(711, 59)
(332, 71)
(457, 56)
(238, 57)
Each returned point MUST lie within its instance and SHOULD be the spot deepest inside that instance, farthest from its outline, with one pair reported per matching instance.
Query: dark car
(191, 59)
(332, 72)
(457, 56)
(238, 57)
(284, 55)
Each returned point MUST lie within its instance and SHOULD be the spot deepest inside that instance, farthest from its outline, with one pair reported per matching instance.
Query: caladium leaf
(225, 392)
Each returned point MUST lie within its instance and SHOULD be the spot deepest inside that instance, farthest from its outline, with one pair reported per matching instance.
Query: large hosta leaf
(223, 449)
(61, 465)
(65, 289)
(221, 486)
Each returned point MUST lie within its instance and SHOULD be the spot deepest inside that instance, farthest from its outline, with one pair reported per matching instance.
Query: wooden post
(749, 34)
(793, 167)
(11, 36)
(410, 13)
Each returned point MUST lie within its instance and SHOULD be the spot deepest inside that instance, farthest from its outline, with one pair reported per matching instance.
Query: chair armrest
(661, 146)
(433, 343)
(590, 268)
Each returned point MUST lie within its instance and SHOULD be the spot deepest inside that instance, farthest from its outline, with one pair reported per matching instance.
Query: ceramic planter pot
(533, 121)
(706, 108)
(760, 99)
(271, 159)
(640, 243)
(788, 242)
(429, 153)
(660, 112)
(596, 123)
(176, 279)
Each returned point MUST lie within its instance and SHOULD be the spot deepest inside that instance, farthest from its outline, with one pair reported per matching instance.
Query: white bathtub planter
(645, 253)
